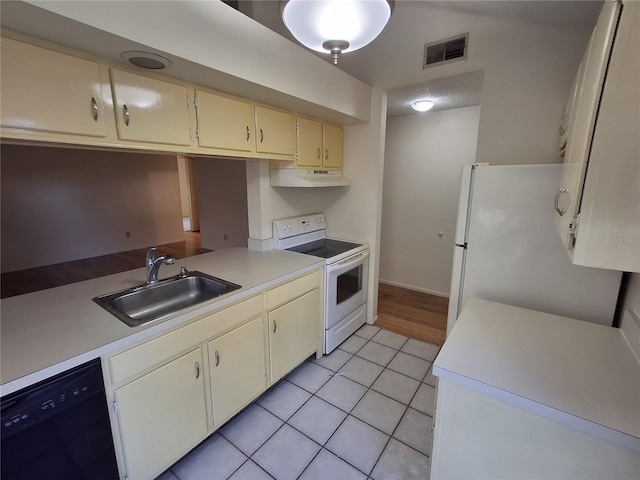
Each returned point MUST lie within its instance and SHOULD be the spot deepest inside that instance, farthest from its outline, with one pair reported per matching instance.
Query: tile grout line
(348, 414)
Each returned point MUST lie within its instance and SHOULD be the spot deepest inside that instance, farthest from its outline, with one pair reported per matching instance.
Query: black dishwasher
(59, 429)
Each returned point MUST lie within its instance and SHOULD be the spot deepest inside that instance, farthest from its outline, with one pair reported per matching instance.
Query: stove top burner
(324, 248)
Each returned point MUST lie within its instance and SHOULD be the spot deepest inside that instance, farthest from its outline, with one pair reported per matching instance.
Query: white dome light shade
(314, 22)
(422, 105)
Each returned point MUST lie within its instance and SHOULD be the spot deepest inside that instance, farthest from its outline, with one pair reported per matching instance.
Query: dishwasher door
(59, 428)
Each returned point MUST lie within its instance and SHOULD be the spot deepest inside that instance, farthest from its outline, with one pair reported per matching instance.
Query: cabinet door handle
(556, 203)
(275, 327)
(197, 370)
(319, 153)
(94, 109)
(125, 114)
(326, 153)
(261, 135)
(217, 355)
(247, 133)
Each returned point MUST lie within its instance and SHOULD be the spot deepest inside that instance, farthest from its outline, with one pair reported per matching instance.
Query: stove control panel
(290, 227)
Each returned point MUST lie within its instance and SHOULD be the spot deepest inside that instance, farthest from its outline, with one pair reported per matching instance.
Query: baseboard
(414, 288)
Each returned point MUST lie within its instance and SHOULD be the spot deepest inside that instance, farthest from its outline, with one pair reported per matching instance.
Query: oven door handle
(348, 262)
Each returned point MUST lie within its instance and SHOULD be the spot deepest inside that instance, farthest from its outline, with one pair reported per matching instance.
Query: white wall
(62, 204)
(424, 154)
(221, 186)
(528, 69)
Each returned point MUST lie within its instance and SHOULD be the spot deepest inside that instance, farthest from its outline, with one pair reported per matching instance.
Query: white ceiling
(394, 60)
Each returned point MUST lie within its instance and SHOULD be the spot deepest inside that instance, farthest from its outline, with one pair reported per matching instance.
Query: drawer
(282, 294)
(148, 354)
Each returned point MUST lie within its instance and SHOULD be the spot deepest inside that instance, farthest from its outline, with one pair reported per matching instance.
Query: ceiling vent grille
(445, 51)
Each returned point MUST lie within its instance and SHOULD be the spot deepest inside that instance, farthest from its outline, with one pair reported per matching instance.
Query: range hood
(293, 177)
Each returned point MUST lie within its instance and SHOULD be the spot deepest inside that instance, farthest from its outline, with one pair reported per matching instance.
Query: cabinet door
(333, 146)
(238, 373)
(309, 151)
(609, 228)
(149, 110)
(275, 132)
(293, 333)
(50, 91)
(582, 120)
(224, 122)
(162, 415)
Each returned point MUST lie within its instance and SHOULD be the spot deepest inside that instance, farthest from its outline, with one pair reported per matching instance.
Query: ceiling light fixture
(336, 26)
(422, 105)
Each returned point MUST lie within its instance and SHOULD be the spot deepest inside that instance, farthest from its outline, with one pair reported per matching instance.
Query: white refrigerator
(507, 248)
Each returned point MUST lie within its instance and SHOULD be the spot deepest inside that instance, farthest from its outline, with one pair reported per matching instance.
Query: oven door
(346, 287)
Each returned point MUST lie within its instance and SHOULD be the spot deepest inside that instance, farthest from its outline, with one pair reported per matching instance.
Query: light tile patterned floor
(362, 412)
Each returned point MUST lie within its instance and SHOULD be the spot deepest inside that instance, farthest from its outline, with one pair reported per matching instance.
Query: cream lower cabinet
(162, 415)
(237, 365)
(479, 436)
(293, 333)
(295, 321)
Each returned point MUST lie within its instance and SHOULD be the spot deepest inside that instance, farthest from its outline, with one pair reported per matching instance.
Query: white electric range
(346, 273)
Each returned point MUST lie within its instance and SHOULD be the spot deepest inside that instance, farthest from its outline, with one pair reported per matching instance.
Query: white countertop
(579, 373)
(47, 332)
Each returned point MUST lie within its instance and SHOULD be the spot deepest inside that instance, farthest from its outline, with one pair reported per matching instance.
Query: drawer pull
(125, 113)
(561, 210)
(94, 109)
(197, 370)
(217, 358)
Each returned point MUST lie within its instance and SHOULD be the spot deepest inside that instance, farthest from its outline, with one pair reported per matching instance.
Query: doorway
(188, 195)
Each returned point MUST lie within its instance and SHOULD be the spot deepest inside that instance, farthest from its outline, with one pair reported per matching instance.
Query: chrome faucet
(154, 264)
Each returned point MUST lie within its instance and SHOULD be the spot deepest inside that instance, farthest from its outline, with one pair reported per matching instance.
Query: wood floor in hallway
(49, 276)
(414, 314)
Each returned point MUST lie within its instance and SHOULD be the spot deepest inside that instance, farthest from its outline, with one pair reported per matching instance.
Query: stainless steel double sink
(145, 303)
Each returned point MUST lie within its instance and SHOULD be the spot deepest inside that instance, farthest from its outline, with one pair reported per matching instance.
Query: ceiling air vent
(445, 51)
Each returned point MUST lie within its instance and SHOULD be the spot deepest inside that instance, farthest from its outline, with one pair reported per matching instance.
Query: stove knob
(289, 226)
(284, 227)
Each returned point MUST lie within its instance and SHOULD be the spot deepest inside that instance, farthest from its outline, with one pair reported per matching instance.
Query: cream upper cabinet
(293, 333)
(318, 145)
(332, 136)
(150, 110)
(50, 91)
(582, 117)
(275, 132)
(224, 123)
(162, 415)
(238, 369)
(599, 200)
(309, 151)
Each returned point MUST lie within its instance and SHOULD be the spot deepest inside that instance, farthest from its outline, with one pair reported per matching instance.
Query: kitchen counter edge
(32, 350)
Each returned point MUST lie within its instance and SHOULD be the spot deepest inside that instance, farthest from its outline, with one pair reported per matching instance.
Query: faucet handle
(151, 256)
